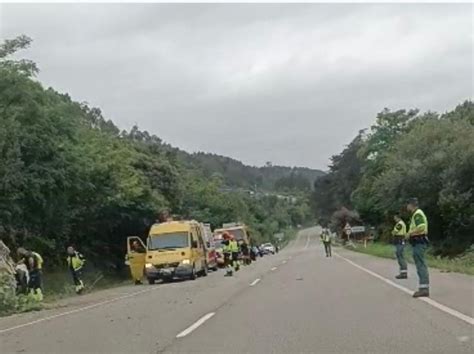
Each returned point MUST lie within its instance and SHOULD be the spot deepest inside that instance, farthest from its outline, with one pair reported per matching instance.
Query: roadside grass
(463, 264)
(59, 285)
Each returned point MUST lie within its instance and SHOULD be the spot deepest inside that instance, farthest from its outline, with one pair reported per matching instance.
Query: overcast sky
(291, 84)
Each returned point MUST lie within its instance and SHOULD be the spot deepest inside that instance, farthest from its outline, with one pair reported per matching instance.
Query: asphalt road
(295, 302)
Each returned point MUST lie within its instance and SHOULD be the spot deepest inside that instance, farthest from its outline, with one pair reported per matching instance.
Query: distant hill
(237, 174)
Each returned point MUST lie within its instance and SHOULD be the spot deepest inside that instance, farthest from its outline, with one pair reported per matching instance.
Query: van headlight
(185, 261)
(148, 265)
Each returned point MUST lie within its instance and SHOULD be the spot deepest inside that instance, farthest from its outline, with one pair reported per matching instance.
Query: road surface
(295, 302)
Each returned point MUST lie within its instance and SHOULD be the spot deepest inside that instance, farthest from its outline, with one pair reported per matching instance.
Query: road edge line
(444, 308)
(195, 325)
(85, 308)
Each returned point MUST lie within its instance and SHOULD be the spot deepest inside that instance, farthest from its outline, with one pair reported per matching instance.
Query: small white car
(268, 248)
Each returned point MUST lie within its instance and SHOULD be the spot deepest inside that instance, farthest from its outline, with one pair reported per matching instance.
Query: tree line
(406, 154)
(69, 175)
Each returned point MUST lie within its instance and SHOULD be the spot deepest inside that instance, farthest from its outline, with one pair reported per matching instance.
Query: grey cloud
(272, 82)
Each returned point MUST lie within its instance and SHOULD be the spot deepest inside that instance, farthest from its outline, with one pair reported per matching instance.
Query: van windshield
(237, 233)
(168, 241)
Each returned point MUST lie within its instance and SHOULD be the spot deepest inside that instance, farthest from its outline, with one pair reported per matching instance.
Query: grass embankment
(58, 284)
(463, 264)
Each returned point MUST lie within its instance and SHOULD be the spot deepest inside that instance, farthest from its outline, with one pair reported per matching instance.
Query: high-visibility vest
(226, 247)
(400, 231)
(75, 261)
(37, 261)
(325, 236)
(233, 246)
(421, 229)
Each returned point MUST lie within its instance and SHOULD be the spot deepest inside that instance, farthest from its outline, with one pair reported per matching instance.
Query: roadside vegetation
(460, 264)
(406, 154)
(70, 176)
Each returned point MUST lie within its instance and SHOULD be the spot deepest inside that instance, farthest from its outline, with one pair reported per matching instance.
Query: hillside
(236, 174)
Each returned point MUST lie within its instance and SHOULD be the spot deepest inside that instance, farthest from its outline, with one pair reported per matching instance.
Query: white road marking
(274, 268)
(85, 308)
(255, 282)
(283, 262)
(195, 325)
(307, 243)
(463, 338)
(429, 301)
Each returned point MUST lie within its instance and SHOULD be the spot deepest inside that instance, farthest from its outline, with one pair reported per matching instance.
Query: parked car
(268, 248)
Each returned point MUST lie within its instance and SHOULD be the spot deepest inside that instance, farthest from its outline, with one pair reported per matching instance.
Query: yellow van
(174, 249)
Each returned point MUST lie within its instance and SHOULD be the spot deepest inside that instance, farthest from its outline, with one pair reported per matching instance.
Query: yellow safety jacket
(418, 224)
(76, 261)
(233, 246)
(400, 229)
(37, 261)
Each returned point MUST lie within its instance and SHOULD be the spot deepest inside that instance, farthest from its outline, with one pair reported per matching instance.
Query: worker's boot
(402, 276)
(80, 287)
(425, 292)
(38, 295)
(229, 273)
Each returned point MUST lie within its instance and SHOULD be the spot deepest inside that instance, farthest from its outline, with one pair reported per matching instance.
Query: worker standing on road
(75, 262)
(235, 250)
(326, 239)
(399, 234)
(227, 250)
(34, 264)
(418, 236)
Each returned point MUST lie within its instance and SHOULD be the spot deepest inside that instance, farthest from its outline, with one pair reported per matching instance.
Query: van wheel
(151, 281)
(193, 275)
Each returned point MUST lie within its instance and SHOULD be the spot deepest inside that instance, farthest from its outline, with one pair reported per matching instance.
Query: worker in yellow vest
(326, 239)
(227, 250)
(399, 234)
(418, 236)
(34, 264)
(235, 250)
(75, 262)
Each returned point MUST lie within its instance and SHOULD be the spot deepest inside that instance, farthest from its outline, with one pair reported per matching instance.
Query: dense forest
(69, 175)
(266, 178)
(406, 154)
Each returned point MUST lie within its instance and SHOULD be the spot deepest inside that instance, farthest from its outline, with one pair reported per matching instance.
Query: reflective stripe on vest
(402, 231)
(422, 229)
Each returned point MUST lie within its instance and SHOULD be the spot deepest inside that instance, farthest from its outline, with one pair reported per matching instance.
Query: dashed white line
(85, 308)
(274, 268)
(255, 282)
(429, 301)
(283, 262)
(195, 325)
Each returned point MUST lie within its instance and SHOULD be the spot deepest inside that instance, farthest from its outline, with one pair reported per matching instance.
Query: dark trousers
(327, 248)
(77, 276)
(35, 281)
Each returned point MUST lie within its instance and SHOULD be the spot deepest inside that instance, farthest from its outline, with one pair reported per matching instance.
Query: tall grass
(58, 284)
(463, 264)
